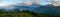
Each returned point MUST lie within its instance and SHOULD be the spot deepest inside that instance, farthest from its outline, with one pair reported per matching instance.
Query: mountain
(34, 7)
(48, 9)
(45, 9)
(57, 10)
(24, 6)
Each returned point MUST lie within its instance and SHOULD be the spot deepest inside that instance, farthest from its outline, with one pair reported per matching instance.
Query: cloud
(6, 6)
(57, 3)
(28, 3)
(36, 1)
(24, 4)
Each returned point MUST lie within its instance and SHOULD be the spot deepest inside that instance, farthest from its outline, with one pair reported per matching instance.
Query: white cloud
(56, 3)
(5, 4)
(28, 3)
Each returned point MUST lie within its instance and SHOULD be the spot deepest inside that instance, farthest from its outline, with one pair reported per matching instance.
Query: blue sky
(16, 1)
(43, 2)
(11, 1)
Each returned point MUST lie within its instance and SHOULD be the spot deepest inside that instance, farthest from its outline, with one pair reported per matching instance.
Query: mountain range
(45, 9)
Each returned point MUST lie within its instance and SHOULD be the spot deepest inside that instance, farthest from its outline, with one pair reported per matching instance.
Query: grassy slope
(24, 14)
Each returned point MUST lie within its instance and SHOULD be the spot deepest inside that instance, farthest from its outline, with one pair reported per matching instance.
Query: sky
(9, 2)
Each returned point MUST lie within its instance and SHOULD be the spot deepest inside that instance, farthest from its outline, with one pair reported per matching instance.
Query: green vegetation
(23, 13)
